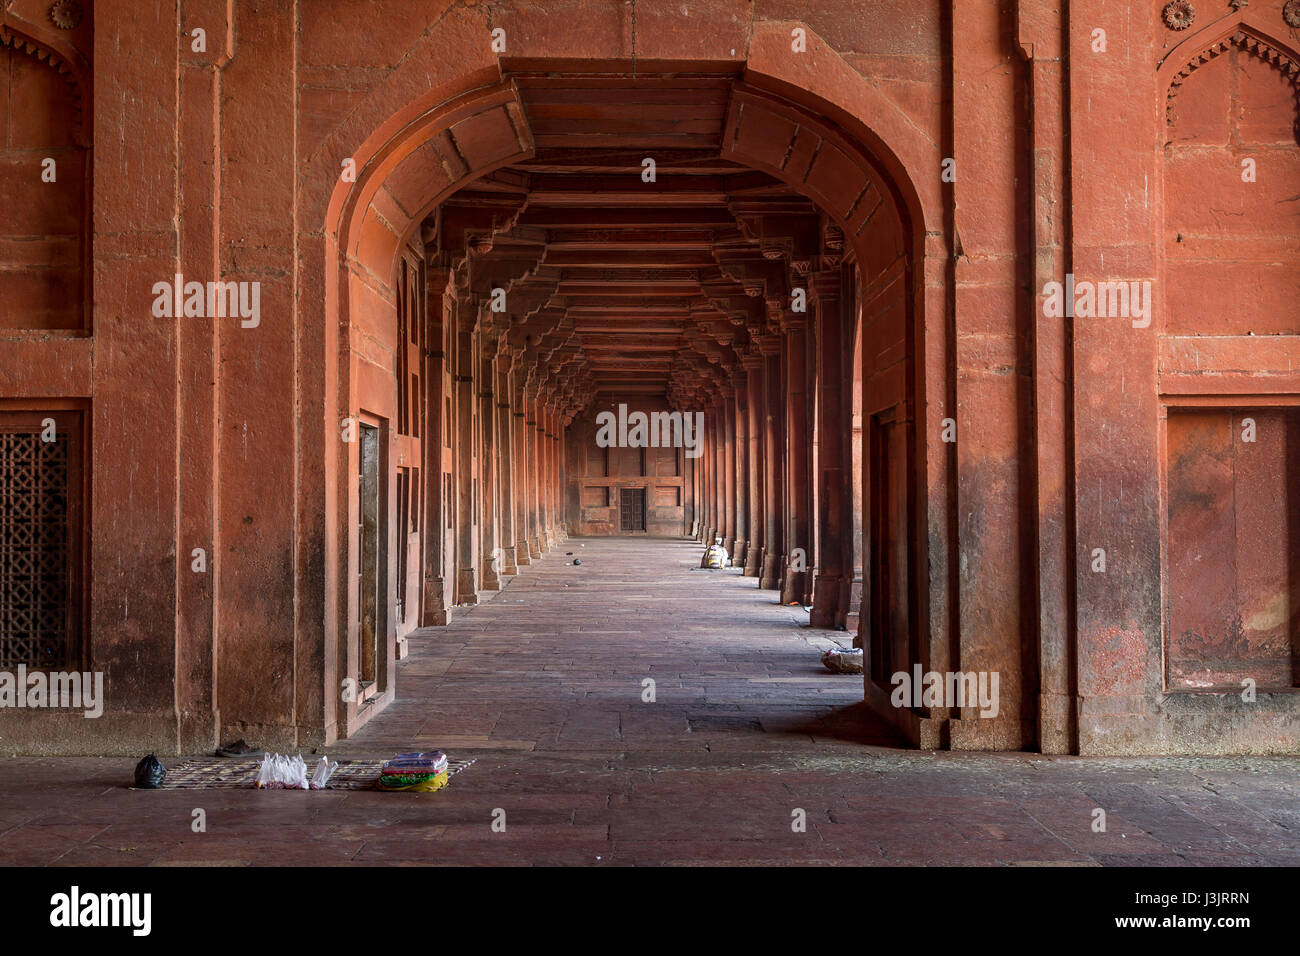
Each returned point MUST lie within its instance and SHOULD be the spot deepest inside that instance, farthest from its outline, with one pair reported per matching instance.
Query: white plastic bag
(324, 770)
(280, 772)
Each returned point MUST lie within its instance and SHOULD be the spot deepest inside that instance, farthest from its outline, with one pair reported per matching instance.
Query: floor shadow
(856, 723)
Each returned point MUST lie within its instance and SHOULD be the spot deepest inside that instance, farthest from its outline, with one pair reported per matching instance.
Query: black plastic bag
(149, 773)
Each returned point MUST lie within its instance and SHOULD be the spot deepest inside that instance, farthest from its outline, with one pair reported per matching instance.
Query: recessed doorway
(631, 509)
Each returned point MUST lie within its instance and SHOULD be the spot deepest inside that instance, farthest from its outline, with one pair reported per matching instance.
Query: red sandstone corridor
(333, 333)
(542, 684)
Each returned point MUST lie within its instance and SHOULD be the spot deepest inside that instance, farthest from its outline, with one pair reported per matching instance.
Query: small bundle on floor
(843, 660)
(715, 557)
(414, 771)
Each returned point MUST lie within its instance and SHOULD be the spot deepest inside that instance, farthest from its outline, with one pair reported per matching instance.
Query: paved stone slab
(746, 729)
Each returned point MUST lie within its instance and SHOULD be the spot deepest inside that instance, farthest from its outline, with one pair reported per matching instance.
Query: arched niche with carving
(44, 186)
(1231, 231)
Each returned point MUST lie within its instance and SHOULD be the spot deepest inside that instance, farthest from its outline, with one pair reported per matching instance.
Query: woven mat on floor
(227, 773)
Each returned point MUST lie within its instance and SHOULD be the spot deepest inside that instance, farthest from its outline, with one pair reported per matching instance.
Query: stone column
(773, 476)
(543, 466)
(537, 526)
(798, 453)
(438, 592)
(553, 478)
(740, 416)
(753, 365)
(523, 554)
(467, 544)
(561, 438)
(505, 458)
(530, 431)
(720, 471)
(706, 481)
(552, 517)
(690, 521)
(706, 477)
(728, 423)
(489, 556)
(831, 588)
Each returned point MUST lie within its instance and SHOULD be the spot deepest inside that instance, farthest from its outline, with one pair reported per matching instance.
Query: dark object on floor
(149, 773)
(577, 560)
(237, 749)
(568, 553)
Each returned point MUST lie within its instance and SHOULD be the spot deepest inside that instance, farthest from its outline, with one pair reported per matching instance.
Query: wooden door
(632, 509)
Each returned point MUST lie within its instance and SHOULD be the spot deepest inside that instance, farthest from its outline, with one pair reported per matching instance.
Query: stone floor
(542, 685)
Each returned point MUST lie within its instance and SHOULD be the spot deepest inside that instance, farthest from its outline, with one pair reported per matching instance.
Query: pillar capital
(832, 245)
(825, 285)
(436, 280)
(792, 321)
(467, 307)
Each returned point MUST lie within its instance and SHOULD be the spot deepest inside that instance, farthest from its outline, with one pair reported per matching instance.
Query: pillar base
(738, 554)
(535, 547)
(853, 616)
(491, 581)
(829, 602)
(794, 587)
(729, 545)
(753, 561)
(771, 577)
(509, 566)
(522, 557)
(466, 587)
(436, 611)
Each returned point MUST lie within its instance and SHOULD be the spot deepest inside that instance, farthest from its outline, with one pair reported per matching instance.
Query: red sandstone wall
(224, 163)
(595, 475)
(44, 240)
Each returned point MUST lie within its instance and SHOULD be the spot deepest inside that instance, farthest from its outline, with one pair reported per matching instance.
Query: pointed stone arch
(60, 57)
(423, 135)
(1194, 53)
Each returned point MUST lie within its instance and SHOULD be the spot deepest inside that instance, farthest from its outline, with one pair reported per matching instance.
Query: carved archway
(418, 157)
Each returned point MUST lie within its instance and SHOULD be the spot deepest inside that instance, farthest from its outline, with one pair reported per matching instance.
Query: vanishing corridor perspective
(970, 326)
(751, 753)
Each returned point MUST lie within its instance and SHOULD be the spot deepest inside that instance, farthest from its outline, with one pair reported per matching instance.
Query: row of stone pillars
(775, 482)
(499, 400)
(508, 505)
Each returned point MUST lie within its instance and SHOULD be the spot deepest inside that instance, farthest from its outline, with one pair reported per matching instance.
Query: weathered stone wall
(968, 153)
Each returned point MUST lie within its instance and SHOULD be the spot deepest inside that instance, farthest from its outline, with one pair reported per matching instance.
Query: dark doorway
(631, 509)
(374, 536)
